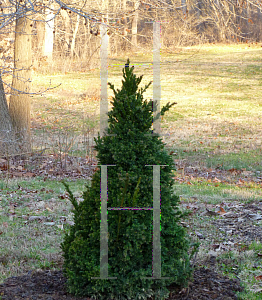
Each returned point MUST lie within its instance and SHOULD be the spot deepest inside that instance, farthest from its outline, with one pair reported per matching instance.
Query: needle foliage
(130, 232)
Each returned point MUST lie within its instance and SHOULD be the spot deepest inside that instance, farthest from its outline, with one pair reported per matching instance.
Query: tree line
(34, 33)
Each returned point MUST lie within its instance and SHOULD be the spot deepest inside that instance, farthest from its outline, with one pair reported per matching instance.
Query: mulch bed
(50, 285)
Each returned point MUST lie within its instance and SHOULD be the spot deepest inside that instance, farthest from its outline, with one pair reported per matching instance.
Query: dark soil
(50, 285)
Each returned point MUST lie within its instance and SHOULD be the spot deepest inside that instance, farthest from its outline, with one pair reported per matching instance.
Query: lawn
(214, 133)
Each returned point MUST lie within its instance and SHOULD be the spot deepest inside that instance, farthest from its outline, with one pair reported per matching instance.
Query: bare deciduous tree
(184, 22)
(19, 107)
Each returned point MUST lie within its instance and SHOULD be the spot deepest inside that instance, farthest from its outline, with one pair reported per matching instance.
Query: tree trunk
(247, 13)
(49, 34)
(134, 26)
(124, 44)
(199, 16)
(74, 36)
(66, 18)
(19, 106)
(105, 6)
(259, 22)
(6, 127)
(40, 37)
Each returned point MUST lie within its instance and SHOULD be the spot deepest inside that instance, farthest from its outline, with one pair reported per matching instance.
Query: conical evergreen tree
(130, 184)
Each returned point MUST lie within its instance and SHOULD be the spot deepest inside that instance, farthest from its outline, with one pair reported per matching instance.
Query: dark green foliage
(130, 184)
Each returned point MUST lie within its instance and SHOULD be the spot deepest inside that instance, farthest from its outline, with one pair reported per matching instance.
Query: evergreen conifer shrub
(130, 232)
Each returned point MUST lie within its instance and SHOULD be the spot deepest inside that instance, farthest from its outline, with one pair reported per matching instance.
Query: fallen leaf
(3, 167)
(211, 213)
(221, 210)
(216, 180)
(240, 181)
(29, 174)
(215, 246)
(18, 174)
(199, 235)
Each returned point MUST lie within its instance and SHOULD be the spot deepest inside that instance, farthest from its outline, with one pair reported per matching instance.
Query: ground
(50, 285)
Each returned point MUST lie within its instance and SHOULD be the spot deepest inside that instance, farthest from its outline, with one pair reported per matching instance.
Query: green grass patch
(214, 193)
(250, 160)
